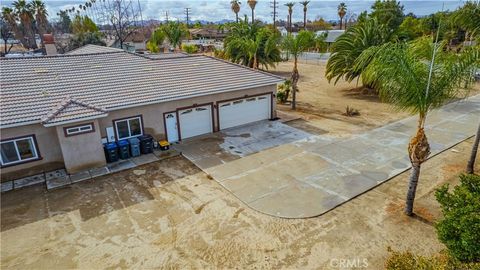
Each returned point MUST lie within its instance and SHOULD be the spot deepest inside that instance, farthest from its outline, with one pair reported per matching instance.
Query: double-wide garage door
(243, 111)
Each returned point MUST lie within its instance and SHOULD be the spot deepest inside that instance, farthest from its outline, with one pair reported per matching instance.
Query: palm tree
(24, 13)
(174, 32)
(290, 11)
(11, 18)
(295, 46)
(305, 4)
(252, 4)
(348, 47)
(40, 17)
(473, 156)
(418, 77)
(342, 10)
(235, 5)
(252, 45)
(156, 40)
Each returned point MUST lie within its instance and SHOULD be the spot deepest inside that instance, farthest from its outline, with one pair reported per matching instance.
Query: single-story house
(57, 110)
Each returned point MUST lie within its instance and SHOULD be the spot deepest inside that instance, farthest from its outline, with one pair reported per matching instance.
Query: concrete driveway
(312, 175)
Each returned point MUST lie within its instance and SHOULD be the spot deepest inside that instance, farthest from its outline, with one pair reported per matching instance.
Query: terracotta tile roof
(31, 87)
(72, 110)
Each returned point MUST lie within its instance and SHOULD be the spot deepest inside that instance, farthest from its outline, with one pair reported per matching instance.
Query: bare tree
(123, 17)
(6, 35)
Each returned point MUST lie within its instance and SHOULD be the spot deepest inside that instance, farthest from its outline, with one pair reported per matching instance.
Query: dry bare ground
(322, 104)
(174, 216)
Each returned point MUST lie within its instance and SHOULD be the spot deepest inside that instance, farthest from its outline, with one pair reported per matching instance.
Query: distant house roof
(164, 55)
(89, 49)
(332, 35)
(60, 89)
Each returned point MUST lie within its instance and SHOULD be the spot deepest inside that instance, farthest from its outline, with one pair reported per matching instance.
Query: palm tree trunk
(412, 188)
(418, 150)
(294, 82)
(473, 156)
(305, 20)
(253, 14)
(236, 15)
(341, 20)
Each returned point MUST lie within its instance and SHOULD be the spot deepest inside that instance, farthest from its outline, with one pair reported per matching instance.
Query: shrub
(407, 261)
(281, 96)
(459, 229)
(349, 111)
(189, 48)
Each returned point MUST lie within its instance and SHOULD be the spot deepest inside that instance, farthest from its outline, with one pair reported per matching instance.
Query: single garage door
(243, 111)
(195, 121)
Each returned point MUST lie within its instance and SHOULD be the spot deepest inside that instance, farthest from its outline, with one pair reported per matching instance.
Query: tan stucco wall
(153, 114)
(86, 151)
(48, 146)
(81, 151)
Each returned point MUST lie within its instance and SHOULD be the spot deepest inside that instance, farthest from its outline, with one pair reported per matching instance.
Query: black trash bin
(123, 149)
(146, 144)
(111, 151)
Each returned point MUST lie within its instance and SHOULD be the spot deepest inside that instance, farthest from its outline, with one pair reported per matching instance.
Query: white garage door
(244, 111)
(195, 121)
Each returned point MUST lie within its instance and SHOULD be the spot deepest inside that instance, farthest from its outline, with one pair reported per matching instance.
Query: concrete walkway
(309, 177)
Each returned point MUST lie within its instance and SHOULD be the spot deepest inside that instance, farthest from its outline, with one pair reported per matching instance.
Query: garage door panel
(195, 121)
(244, 111)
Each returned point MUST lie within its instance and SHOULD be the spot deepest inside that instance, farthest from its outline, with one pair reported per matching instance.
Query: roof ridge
(55, 56)
(67, 101)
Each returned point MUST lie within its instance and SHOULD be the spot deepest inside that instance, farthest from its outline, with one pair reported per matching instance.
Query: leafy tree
(459, 229)
(65, 21)
(295, 46)
(156, 40)
(174, 32)
(85, 38)
(410, 29)
(252, 45)
(348, 47)
(83, 24)
(319, 24)
(388, 12)
(402, 75)
(342, 11)
(468, 18)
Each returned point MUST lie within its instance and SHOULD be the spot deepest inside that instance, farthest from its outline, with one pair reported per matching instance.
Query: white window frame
(20, 160)
(128, 125)
(69, 131)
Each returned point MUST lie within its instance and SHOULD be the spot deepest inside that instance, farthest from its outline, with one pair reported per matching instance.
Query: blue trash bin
(134, 147)
(123, 149)
(111, 151)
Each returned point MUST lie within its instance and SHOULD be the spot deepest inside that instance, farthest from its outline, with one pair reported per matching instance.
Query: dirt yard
(321, 105)
(168, 214)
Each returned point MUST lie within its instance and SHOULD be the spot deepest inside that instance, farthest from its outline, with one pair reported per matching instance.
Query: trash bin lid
(145, 137)
(122, 143)
(110, 146)
(133, 140)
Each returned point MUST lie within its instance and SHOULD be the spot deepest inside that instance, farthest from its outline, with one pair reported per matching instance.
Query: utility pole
(274, 5)
(187, 12)
(166, 16)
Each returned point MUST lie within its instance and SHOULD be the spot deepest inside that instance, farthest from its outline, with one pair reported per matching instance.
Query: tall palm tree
(473, 156)
(174, 32)
(235, 5)
(305, 4)
(418, 77)
(342, 10)
(290, 11)
(295, 46)
(24, 13)
(252, 4)
(11, 18)
(40, 17)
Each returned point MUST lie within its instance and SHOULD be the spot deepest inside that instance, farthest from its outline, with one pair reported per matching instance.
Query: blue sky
(215, 10)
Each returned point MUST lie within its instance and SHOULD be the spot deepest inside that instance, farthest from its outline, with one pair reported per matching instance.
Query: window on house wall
(18, 150)
(130, 127)
(70, 131)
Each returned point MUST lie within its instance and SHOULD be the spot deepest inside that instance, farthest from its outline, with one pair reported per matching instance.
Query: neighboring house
(207, 33)
(283, 31)
(332, 35)
(57, 110)
(136, 41)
